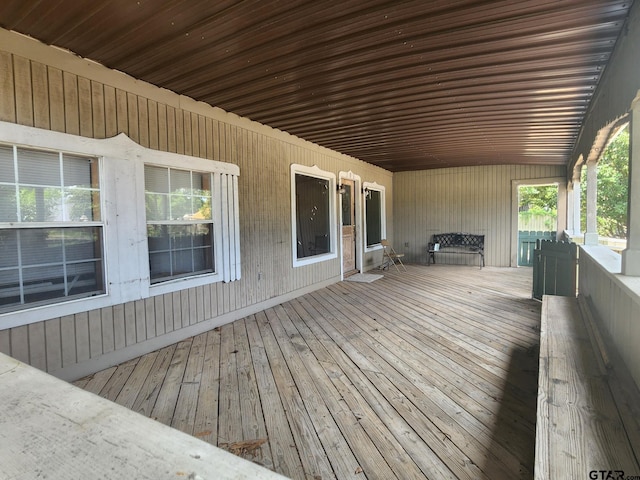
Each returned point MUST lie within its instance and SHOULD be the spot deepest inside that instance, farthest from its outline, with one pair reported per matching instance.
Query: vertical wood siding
(69, 96)
(617, 307)
(466, 199)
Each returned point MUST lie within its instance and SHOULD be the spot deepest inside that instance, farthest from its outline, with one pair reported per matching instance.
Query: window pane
(180, 181)
(56, 263)
(201, 260)
(202, 186)
(157, 238)
(38, 168)
(8, 205)
(40, 204)
(346, 206)
(179, 250)
(40, 246)
(157, 207)
(77, 171)
(81, 205)
(312, 212)
(156, 179)
(9, 288)
(82, 244)
(181, 262)
(43, 283)
(374, 217)
(9, 249)
(159, 266)
(197, 182)
(201, 208)
(41, 265)
(181, 208)
(6, 164)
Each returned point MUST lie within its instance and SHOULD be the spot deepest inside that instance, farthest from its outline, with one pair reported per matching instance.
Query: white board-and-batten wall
(478, 200)
(50, 89)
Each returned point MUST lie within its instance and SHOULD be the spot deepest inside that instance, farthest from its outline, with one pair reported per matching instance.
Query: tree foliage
(542, 199)
(538, 202)
(613, 186)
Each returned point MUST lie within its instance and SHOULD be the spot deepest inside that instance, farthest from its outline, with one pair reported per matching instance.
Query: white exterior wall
(51, 89)
(616, 299)
(475, 200)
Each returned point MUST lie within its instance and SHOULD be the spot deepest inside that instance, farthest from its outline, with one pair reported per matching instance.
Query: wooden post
(631, 255)
(591, 235)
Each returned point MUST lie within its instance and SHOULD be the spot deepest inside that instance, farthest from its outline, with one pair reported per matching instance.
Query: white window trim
(126, 263)
(358, 200)
(316, 172)
(383, 214)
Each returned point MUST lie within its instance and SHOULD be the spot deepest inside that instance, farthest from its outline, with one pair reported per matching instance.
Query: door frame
(561, 182)
(358, 214)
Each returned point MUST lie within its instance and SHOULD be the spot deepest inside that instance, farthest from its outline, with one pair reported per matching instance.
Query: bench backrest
(459, 240)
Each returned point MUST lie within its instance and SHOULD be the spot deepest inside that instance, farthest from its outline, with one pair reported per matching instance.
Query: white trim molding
(122, 195)
(366, 186)
(330, 177)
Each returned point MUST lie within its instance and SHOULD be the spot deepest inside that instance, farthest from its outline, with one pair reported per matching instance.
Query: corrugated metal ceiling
(405, 85)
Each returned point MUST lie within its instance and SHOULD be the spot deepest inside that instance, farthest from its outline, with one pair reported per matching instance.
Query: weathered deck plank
(423, 374)
(580, 428)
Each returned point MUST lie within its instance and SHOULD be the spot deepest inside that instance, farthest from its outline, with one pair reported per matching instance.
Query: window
(348, 215)
(90, 223)
(179, 222)
(374, 215)
(51, 233)
(313, 214)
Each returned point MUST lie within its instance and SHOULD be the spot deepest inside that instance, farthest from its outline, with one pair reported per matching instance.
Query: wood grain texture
(7, 88)
(56, 99)
(71, 104)
(40, 81)
(579, 423)
(84, 102)
(616, 304)
(81, 435)
(23, 90)
(400, 378)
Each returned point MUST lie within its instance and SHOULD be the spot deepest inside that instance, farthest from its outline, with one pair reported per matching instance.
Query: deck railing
(616, 299)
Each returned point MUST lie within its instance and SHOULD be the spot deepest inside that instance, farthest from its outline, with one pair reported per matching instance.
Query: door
(537, 218)
(348, 227)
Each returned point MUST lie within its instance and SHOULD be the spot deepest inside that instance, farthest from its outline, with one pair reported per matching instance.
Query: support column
(591, 235)
(573, 207)
(570, 209)
(631, 255)
(577, 190)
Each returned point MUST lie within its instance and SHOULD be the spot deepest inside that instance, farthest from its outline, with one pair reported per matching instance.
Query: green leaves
(613, 188)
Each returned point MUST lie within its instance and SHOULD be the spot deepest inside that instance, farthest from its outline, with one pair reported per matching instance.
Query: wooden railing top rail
(585, 421)
(49, 428)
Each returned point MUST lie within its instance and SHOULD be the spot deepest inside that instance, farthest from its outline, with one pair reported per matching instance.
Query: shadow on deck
(430, 373)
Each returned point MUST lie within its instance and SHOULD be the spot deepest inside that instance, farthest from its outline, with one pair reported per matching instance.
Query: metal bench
(458, 243)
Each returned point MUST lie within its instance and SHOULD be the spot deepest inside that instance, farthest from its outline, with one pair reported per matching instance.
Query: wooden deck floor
(430, 373)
